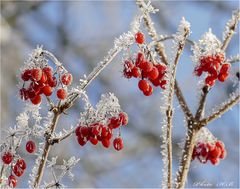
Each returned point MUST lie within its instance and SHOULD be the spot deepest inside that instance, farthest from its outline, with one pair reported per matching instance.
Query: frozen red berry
(43, 78)
(52, 81)
(36, 100)
(149, 91)
(12, 181)
(26, 75)
(23, 94)
(17, 170)
(139, 59)
(136, 72)
(48, 71)
(94, 140)
(153, 74)
(123, 118)
(21, 163)
(106, 142)
(139, 37)
(118, 143)
(47, 90)
(61, 94)
(36, 74)
(147, 66)
(7, 157)
(222, 76)
(143, 85)
(66, 79)
(30, 146)
(81, 141)
(84, 131)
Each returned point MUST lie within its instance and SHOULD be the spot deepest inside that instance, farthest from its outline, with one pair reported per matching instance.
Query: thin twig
(220, 111)
(59, 139)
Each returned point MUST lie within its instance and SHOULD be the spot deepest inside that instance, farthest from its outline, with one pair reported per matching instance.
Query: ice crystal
(205, 136)
(231, 23)
(146, 7)
(209, 44)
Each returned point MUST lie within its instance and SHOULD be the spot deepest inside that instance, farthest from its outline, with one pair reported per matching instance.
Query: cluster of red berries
(208, 151)
(145, 70)
(97, 131)
(19, 167)
(214, 66)
(43, 81)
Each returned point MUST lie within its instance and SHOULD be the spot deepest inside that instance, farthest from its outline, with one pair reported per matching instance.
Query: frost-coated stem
(46, 150)
(220, 111)
(186, 157)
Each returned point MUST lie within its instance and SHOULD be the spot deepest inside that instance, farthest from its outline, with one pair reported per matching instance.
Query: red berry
(78, 131)
(12, 181)
(17, 170)
(143, 85)
(30, 146)
(104, 132)
(222, 76)
(128, 65)
(149, 91)
(139, 59)
(7, 157)
(123, 118)
(210, 81)
(109, 134)
(43, 78)
(81, 141)
(106, 142)
(225, 68)
(162, 84)
(66, 79)
(198, 71)
(216, 152)
(147, 66)
(26, 75)
(118, 143)
(48, 71)
(136, 72)
(23, 94)
(114, 123)
(36, 74)
(61, 94)
(36, 100)
(94, 140)
(153, 74)
(223, 154)
(52, 81)
(96, 128)
(214, 161)
(47, 90)
(84, 131)
(21, 163)
(139, 37)
(210, 147)
(220, 144)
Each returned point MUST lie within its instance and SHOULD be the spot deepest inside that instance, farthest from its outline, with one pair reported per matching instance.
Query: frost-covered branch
(179, 43)
(231, 26)
(234, 59)
(233, 100)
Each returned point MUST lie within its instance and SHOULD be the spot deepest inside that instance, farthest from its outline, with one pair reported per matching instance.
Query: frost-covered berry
(52, 81)
(143, 85)
(47, 90)
(30, 146)
(23, 94)
(123, 118)
(118, 143)
(136, 72)
(139, 37)
(149, 91)
(61, 94)
(66, 79)
(17, 170)
(7, 157)
(36, 74)
(153, 74)
(139, 59)
(21, 163)
(26, 75)
(48, 71)
(36, 100)
(12, 181)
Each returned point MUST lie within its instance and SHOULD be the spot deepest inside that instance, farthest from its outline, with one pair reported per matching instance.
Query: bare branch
(218, 113)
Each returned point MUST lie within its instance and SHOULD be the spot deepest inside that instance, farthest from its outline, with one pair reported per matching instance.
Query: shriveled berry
(61, 94)
(66, 79)
(47, 90)
(30, 146)
(36, 100)
(7, 157)
(143, 85)
(118, 143)
(139, 38)
(12, 181)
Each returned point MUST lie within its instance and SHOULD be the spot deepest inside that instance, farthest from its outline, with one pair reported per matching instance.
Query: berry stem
(46, 150)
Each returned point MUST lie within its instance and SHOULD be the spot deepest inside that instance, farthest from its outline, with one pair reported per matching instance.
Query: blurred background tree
(80, 33)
